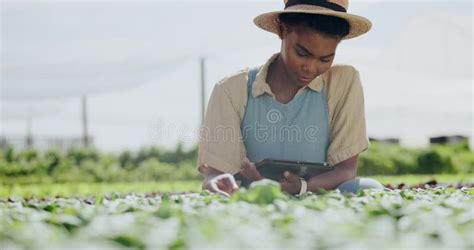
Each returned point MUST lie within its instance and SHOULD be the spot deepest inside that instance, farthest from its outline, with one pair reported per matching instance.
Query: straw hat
(338, 8)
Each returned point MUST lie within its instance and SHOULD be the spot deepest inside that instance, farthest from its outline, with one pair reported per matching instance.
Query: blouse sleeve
(220, 144)
(348, 125)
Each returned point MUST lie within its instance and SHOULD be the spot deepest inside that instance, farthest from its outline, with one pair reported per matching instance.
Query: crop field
(261, 217)
(40, 190)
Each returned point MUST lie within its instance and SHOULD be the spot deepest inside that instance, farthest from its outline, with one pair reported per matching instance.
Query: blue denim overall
(297, 130)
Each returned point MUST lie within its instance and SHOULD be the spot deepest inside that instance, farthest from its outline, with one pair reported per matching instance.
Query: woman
(297, 106)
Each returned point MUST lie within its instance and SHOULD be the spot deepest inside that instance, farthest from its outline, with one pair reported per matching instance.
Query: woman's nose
(311, 68)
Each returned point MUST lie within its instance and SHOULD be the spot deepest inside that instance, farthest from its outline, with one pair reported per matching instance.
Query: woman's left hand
(249, 171)
(290, 183)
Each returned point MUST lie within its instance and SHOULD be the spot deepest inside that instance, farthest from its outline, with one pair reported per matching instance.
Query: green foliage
(436, 159)
(28, 154)
(382, 159)
(128, 159)
(376, 161)
(90, 188)
(464, 162)
(261, 192)
(89, 165)
(9, 154)
(258, 218)
(78, 155)
(155, 163)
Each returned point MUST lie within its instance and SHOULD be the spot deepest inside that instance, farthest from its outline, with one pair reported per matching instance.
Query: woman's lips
(304, 79)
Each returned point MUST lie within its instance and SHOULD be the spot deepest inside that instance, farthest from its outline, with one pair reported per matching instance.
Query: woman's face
(306, 54)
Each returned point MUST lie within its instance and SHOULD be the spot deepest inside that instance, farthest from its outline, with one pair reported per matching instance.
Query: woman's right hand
(218, 182)
(224, 184)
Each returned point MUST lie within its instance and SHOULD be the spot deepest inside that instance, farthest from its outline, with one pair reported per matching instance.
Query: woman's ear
(282, 30)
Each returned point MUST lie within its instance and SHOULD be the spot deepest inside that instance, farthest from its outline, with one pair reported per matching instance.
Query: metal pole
(29, 134)
(85, 134)
(203, 89)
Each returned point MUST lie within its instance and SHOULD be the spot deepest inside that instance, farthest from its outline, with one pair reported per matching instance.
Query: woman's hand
(290, 183)
(223, 184)
(249, 171)
(204, 169)
(218, 182)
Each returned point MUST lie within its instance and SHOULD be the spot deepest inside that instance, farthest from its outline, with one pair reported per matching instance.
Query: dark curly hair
(326, 25)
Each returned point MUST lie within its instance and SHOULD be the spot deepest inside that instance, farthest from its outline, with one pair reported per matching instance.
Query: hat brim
(358, 25)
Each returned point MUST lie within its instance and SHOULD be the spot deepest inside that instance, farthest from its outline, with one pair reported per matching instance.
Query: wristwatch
(304, 186)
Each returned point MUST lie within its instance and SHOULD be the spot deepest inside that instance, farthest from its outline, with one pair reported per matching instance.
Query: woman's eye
(325, 61)
(301, 54)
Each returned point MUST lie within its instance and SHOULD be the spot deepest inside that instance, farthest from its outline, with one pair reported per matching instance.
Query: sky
(138, 65)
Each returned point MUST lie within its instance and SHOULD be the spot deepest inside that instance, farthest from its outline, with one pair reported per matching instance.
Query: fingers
(246, 164)
(291, 183)
(230, 181)
(224, 184)
(246, 168)
(216, 189)
(249, 170)
(251, 164)
(203, 169)
(291, 177)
